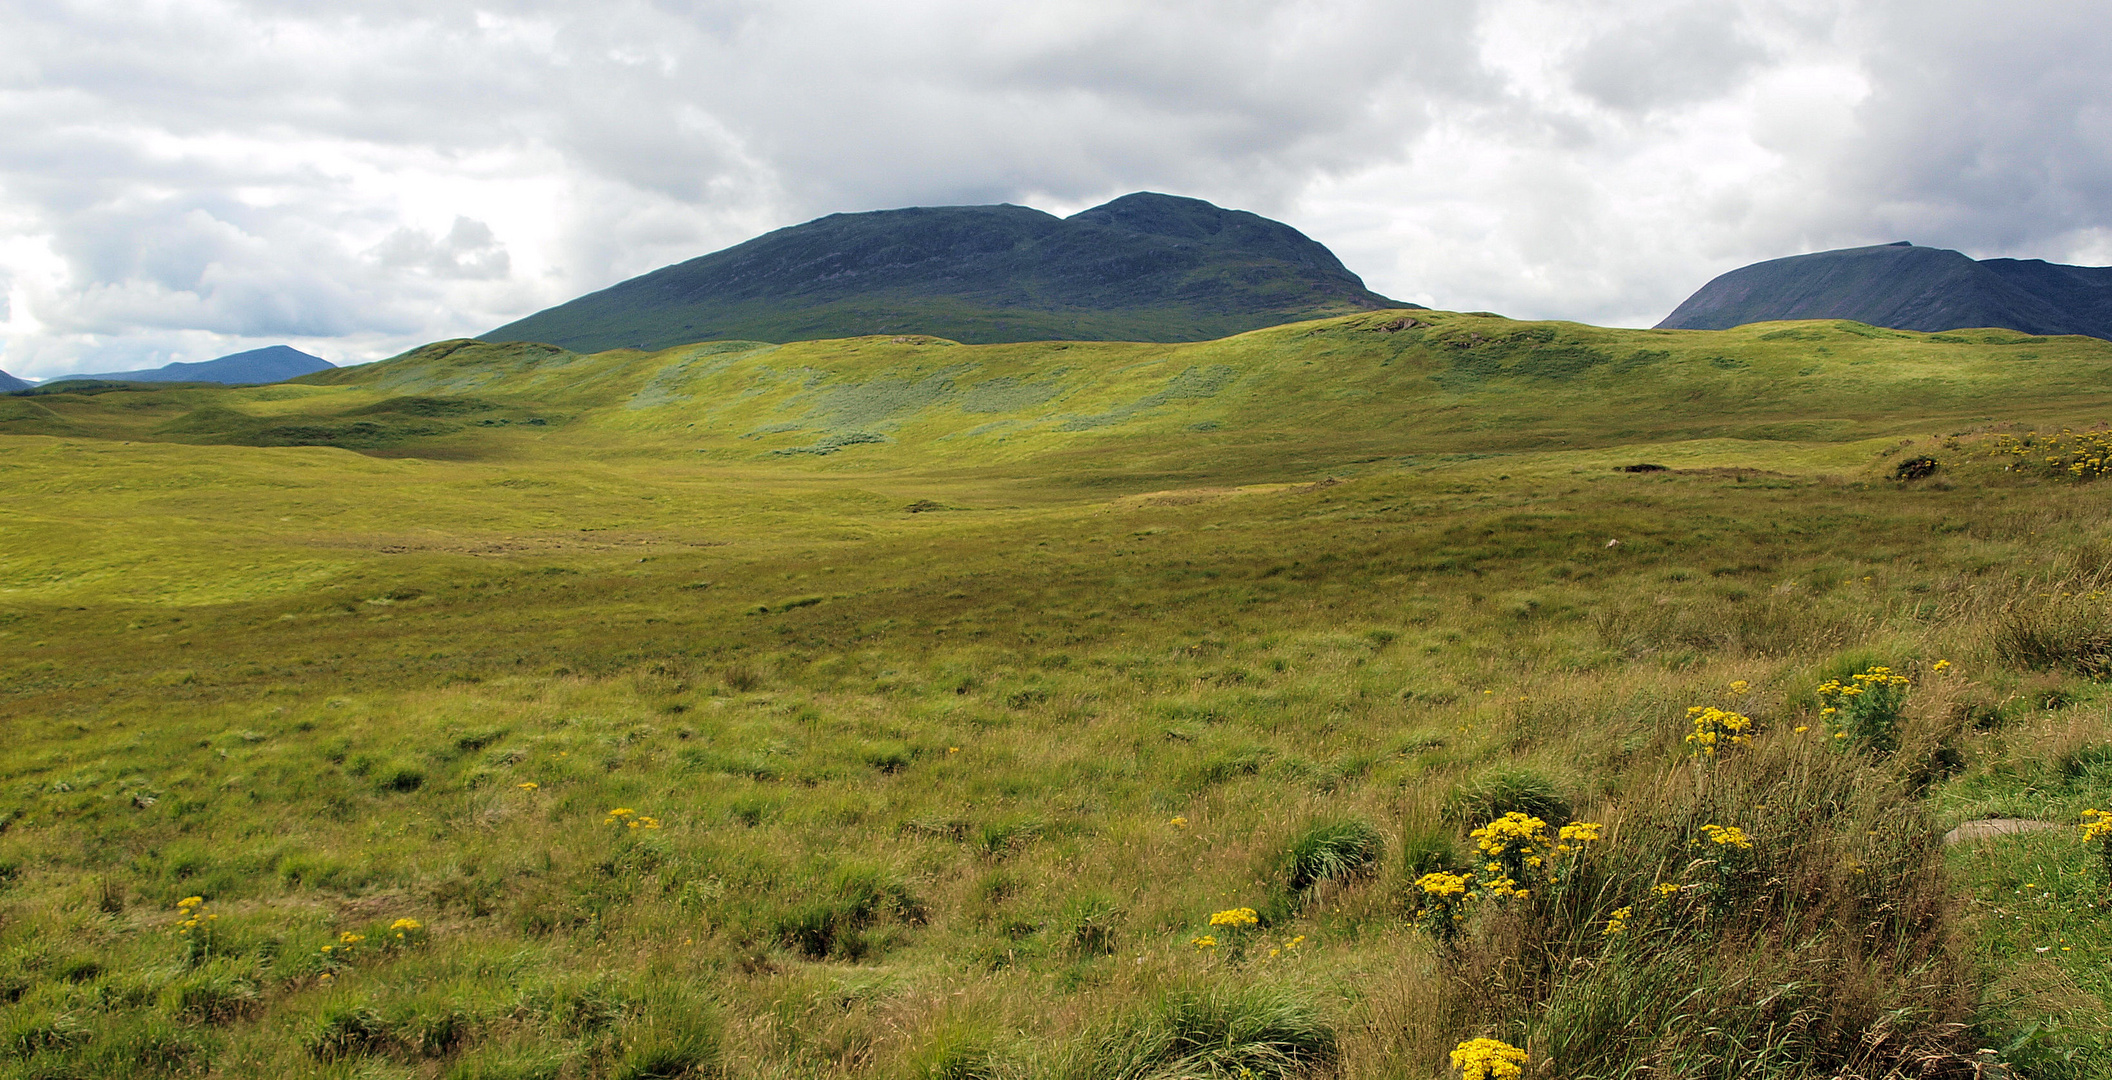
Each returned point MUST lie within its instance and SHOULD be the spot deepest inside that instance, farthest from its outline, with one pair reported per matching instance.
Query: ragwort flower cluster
(1488, 1059)
(2069, 454)
(1864, 711)
(1716, 728)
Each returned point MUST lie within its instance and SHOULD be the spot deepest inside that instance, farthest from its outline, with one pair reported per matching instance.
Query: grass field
(897, 708)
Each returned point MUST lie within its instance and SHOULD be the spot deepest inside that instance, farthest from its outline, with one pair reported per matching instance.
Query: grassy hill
(1145, 267)
(953, 690)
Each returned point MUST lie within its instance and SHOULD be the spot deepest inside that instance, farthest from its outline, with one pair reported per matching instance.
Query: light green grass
(917, 773)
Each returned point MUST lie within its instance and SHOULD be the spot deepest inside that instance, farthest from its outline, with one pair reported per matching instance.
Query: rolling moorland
(891, 707)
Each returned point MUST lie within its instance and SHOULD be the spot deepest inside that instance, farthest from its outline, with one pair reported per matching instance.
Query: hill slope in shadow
(1145, 267)
(1905, 287)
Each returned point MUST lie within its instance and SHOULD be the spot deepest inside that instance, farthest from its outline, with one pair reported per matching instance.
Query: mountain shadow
(273, 363)
(1907, 288)
(1144, 267)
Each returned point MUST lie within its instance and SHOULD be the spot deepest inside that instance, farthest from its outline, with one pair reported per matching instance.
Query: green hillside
(1145, 267)
(891, 707)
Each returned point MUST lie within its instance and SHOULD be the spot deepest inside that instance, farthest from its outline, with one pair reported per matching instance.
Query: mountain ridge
(1902, 286)
(270, 364)
(1144, 267)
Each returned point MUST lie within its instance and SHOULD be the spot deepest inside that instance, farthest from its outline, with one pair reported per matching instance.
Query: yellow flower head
(1581, 832)
(1235, 917)
(1741, 687)
(1177, 822)
(1731, 836)
(1715, 727)
(1488, 1059)
(1204, 942)
(350, 938)
(403, 925)
(1618, 921)
(2097, 825)
(189, 902)
(1442, 885)
(1514, 828)
(527, 785)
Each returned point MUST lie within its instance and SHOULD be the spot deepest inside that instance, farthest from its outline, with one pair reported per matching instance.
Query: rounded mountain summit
(1145, 267)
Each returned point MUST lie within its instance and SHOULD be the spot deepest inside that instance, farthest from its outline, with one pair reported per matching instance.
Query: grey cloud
(269, 167)
(1642, 60)
(468, 251)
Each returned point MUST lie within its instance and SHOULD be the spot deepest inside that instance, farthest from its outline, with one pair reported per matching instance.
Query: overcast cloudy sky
(184, 178)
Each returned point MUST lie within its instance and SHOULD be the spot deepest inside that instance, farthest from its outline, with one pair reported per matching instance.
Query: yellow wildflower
(1714, 727)
(1731, 836)
(402, 925)
(1204, 942)
(1177, 822)
(1618, 921)
(529, 785)
(1235, 917)
(189, 902)
(1488, 1059)
(1441, 884)
(2097, 825)
(1666, 888)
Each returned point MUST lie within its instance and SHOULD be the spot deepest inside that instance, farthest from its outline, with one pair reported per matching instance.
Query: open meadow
(901, 709)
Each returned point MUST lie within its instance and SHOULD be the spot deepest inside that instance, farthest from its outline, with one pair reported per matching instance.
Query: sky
(180, 179)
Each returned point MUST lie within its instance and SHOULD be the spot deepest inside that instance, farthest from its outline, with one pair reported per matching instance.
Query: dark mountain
(1144, 267)
(9, 382)
(273, 363)
(1907, 288)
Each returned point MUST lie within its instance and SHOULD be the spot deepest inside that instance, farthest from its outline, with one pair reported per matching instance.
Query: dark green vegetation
(902, 708)
(1144, 267)
(1907, 288)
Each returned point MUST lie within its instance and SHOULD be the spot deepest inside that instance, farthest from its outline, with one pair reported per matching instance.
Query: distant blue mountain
(1907, 288)
(9, 382)
(275, 363)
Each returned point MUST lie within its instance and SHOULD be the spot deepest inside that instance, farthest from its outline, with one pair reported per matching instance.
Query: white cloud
(191, 177)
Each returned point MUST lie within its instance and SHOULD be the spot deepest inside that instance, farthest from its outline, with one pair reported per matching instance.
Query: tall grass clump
(1330, 851)
(2058, 631)
(1265, 1030)
(1503, 789)
(1792, 896)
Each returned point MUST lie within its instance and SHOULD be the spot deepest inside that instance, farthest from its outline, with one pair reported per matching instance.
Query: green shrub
(2061, 632)
(213, 994)
(1864, 711)
(957, 1050)
(1331, 851)
(1424, 850)
(1261, 1031)
(833, 922)
(1502, 789)
(33, 1031)
(1088, 923)
(888, 757)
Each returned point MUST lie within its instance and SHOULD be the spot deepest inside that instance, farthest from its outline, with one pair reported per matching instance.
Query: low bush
(1261, 1031)
(1503, 789)
(1330, 851)
(2059, 632)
